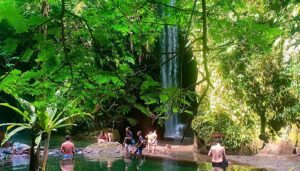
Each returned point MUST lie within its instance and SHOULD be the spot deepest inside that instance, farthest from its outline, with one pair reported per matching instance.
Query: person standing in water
(217, 152)
(68, 149)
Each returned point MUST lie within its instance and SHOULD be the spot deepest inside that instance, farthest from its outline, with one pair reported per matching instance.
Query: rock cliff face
(104, 150)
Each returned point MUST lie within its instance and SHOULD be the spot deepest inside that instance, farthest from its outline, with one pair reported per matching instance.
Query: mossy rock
(104, 150)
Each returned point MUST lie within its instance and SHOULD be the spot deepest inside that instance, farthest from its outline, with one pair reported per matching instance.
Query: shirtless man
(68, 148)
(218, 155)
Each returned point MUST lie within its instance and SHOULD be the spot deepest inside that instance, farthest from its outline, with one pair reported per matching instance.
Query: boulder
(283, 147)
(19, 148)
(53, 152)
(104, 150)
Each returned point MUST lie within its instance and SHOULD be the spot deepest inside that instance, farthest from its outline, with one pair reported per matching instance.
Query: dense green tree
(103, 55)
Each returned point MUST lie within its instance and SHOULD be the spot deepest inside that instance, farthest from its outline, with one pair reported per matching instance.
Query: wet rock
(6, 150)
(54, 152)
(57, 152)
(78, 150)
(104, 150)
(19, 148)
(3, 156)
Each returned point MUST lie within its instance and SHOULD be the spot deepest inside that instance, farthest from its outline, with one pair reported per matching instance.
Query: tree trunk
(45, 156)
(263, 136)
(45, 13)
(34, 155)
(204, 39)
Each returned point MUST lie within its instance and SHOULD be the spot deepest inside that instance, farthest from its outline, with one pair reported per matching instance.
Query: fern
(10, 45)
(13, 16)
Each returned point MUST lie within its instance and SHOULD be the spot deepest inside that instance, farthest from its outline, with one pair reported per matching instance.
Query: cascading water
(169, 72)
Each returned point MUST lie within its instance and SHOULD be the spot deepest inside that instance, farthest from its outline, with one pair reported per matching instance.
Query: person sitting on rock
(141, 144)
(152, 141)
(102, 137)
(110, 135)
(128, 140)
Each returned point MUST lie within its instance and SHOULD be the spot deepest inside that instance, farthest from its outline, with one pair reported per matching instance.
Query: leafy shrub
(235, 133)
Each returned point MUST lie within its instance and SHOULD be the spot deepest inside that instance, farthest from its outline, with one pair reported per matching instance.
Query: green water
(55, 163)
(130, 164)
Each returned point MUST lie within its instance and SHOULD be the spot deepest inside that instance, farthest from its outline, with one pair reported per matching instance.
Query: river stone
(19, 148)
(279, 148)
(104, 150)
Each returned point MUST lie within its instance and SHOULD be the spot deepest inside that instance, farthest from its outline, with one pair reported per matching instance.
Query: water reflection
(128, 163)
(19, 160)
(140, 163)
(67, 165)
(109, 164)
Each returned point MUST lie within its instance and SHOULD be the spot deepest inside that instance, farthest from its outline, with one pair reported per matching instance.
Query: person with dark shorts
(217, 152)
(141, 144)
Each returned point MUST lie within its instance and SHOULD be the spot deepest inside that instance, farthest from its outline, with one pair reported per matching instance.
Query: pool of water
(55, 163)
(80, 163)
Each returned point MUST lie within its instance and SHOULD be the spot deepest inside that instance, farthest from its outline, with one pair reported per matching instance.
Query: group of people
(105, 137)
(217, 152)
(141, 143)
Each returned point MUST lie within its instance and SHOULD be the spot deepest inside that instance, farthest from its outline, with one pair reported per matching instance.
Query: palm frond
(13, 132)
(26, 105)
(25, 115)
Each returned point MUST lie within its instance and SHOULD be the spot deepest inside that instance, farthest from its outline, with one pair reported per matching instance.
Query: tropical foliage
(102, 57)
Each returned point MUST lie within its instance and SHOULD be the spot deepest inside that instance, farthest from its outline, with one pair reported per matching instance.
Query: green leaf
(10, 45)
(13, 132)
(27, 55)
(16, 110)
(143, 109)
(26, 105)
(163, 98)
(175, 109)
(65, 125)
(12, 14)
(132, 121)
(38, 139)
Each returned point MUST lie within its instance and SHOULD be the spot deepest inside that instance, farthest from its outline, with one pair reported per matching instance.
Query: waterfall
(169, 72)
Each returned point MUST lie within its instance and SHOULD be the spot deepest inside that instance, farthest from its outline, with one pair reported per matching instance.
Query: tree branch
(63, 38)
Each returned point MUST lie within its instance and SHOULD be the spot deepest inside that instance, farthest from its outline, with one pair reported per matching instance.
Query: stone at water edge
(283, 147)
(17, 149)
(104, 150)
